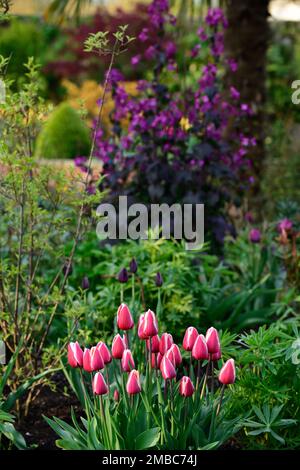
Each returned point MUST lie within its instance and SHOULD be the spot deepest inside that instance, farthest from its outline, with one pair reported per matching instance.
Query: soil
(49, 403)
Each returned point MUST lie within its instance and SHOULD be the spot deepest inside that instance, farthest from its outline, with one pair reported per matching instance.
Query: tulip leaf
(147, 439)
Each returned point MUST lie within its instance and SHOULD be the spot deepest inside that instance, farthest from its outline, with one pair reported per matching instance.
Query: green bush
(20, 40)
(64, 135)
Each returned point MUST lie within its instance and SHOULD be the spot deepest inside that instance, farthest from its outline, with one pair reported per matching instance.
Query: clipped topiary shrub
(64, 135)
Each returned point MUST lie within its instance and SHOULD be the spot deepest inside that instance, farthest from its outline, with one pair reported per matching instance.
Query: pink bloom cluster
(164, 355)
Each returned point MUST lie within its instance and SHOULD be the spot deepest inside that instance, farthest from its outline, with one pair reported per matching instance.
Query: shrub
(64, 135)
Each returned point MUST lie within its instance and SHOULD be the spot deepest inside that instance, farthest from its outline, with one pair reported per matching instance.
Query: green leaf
(147, 439)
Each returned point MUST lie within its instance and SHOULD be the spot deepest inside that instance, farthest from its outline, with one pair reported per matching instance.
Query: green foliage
(269, 380)
(64, 135)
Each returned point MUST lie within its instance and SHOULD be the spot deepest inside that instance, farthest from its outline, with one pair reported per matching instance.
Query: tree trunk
(246, 41)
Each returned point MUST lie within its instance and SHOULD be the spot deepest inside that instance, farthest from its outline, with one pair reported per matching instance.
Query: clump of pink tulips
(146, 391)
(162, 355)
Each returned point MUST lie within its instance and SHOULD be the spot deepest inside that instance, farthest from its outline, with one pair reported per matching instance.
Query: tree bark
(246, 41)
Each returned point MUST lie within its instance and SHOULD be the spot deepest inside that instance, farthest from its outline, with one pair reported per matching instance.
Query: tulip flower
(156, 360)
(118, 347)
(216, 356)
(104, 351)
(167, 369)
(227, 373)
(154, 344)
(200, 350)
(75, 355)
(133, 266)
(133, 385)
(116, 395)
(186, 387)
(150, 326)
(159, 280)
(92, 360)
(165, 343)
(212, 340)
(189, 339)
(124, 318)
(99, 385)
(85, 284)
(254, 235)
(127, 361)
(123, 276)
(174, 355)
(141, 334)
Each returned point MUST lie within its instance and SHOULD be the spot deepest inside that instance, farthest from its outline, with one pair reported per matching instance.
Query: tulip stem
(221, 399)
(198, 375)
(132, 288)
(212, 375)
(205, 380)
(191, 364)
(122, 294)
(87, 410)
(127, 339)
(166, 389)
(155, 359)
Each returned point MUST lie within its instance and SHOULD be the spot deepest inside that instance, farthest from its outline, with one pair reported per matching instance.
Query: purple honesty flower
(136, 59)
(235, 95)
(254, 235)
(144, 35)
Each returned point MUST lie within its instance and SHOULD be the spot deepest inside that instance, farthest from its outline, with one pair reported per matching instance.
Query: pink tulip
(127, 361)
(189, 339)
(212, 341)
(156, 364)
(105, 352)
(75, 355)
(133, 385)
(165, 343)
(92, 360)
(150, 325)
(227, 373)
(174, 355)
(141, 327)
(186, 387)
(167, 368)
(124, 318)
(116, 395)
(154, 344)
(99, 385)
(200, 351)
(118, 347)
(216, 356)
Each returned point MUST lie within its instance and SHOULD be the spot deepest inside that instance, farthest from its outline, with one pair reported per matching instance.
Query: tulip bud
(97, 362)
(189, 339)
(104, 351)
(141, 327)
(87, 360)
(116, 395)
(254, 235)
(200, 351)
(156, 363)
(123, 276)
(167, 368)
(99, 385)
(227, 373)
(216, 356)
(85, 283)
(165, 343)
(186, 387)
(212, 340)
(75, 355)
(150, 326)
(133, 385)
(127, 361)
(154, 344)
(124, 318)
(118, 347)
(133, 266)
(158, 279)
(174, 355)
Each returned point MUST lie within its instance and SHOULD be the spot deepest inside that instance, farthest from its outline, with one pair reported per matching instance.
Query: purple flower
(143, 36)
(285, 225)
(235, 95)
(133, 266)
(158, 279)
(85, 284)
(136, 59)
(123, 276)
(254, 235)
